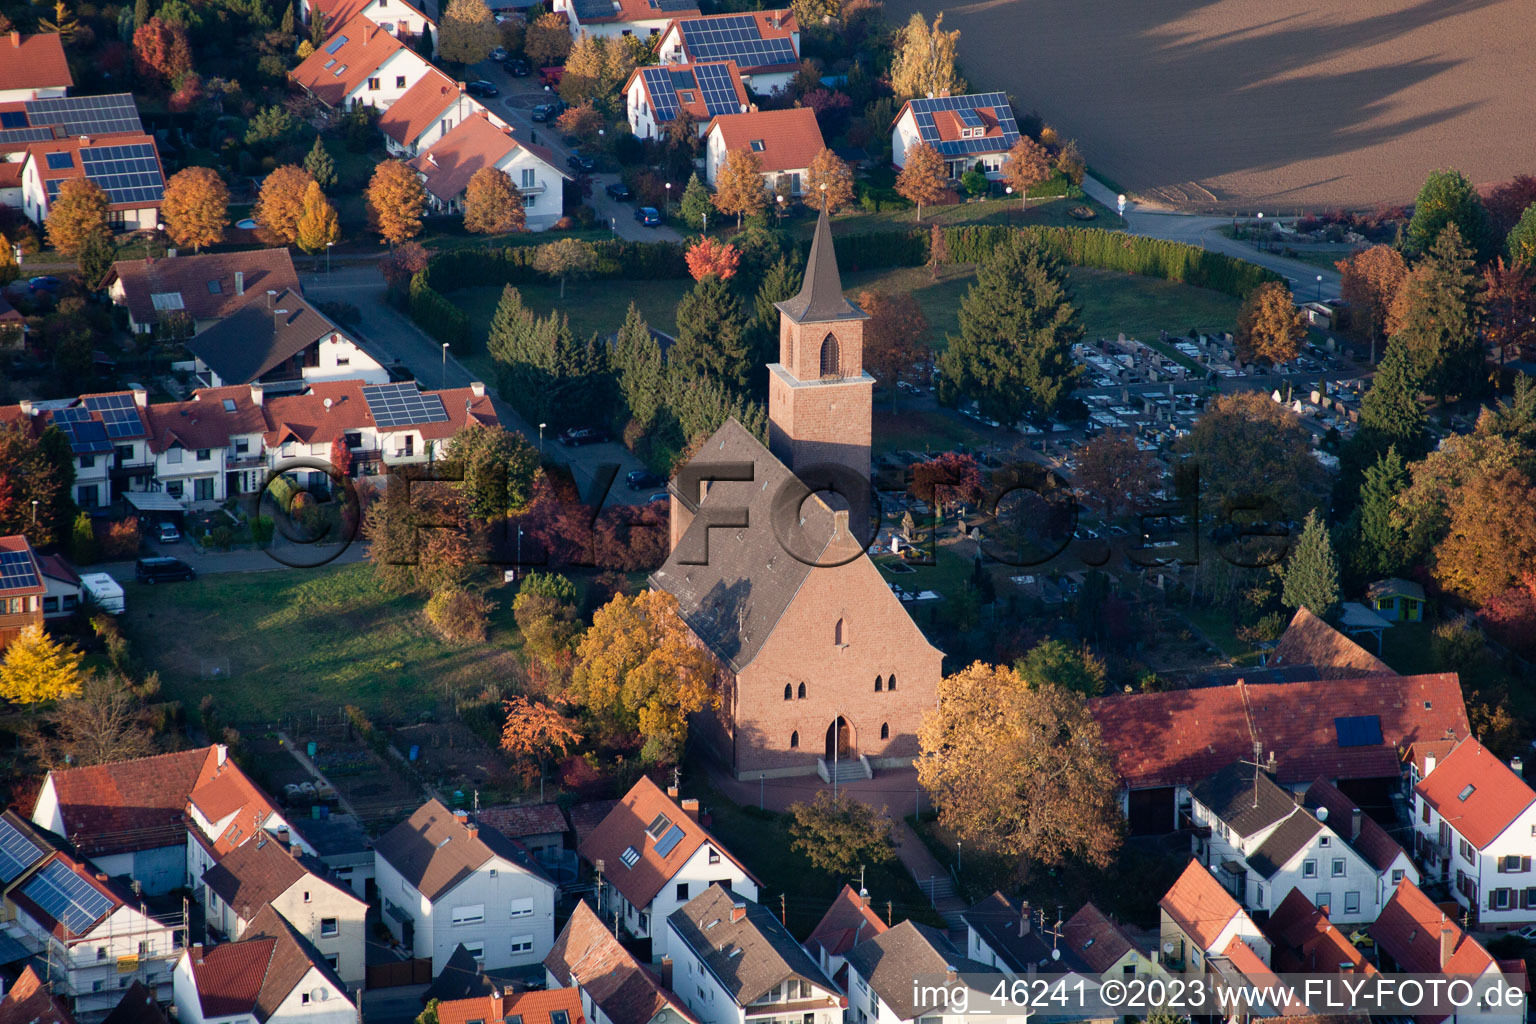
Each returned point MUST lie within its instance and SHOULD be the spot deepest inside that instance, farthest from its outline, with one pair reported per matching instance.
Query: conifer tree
(1436, 317)
(319, 163)
(1382, 543)
(710, 340)
(1390, 413)
(637, 361)
(781, 282)
(695, 204)
(1447, 198)
(1312, 573)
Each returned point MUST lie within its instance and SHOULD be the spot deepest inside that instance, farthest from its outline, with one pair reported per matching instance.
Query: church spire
(821, 296)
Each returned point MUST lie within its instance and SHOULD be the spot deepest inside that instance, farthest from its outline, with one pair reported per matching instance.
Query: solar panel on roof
(335, 44)
(667, 843)
(119, 413)
(17, 852)
(588, 9)
(87, 115)
(13, 119)
(128, 174)
(398, 405)
(735, 38)
(1358, 731)
(969, 118)
(719, 88)
(658, 82)
(67, 898)
(86, 436)
(17, 570)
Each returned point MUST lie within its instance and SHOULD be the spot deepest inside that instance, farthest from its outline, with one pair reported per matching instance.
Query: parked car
(620, 191)
(648, 216)
(155, 570)
(46, 283)
(579, 161)
(548, 111)
(658, 498)
(642, 479)
(499, 55)
(578, 436)
(167, 533)
(481, 88)
(517, 68)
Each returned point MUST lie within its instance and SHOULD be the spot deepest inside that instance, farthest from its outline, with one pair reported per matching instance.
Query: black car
(642, 480)
(547, 111)
(154, 570)
(577, 161)
(620, 191)
(482, 88)
(578, 436)
(517, 68)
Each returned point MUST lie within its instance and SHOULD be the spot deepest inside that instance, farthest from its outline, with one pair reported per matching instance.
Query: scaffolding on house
(74, 965)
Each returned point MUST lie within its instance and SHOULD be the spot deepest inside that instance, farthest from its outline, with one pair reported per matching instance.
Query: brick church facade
(820, 663)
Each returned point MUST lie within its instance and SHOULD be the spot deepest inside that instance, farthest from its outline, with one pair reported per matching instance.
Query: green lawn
(1406, 647)
(1216, 623)
(1041, 212)
(919, 430)
(297, 639)
(595, 306)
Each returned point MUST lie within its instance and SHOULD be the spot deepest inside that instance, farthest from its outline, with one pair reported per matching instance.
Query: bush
(459, 616)
(262, 529)
(121, 541)
(221, 537)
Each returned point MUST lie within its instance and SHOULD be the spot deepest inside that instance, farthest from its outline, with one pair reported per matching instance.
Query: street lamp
(541, 440)
(1319, 287)
(328, 246)
(445, 365)
(34, 511)
(1008, 190)
(1259, 241)
(669, 198)
(519, 548)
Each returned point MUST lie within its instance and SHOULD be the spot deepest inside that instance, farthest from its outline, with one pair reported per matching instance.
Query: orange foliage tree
(922, 179)
(537, 731)
(709, 256)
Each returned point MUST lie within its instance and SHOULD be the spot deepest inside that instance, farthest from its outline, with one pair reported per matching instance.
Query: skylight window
(336, 44)
(1467, 792)
(214, 288)
(658, 826)
(339, 70)
(60, 161)
(758, 145)
(445, 842)
(229, 405)
(630, 856)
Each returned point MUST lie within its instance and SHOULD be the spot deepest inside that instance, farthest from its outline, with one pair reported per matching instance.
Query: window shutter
(1491, 898)
(1525, 863)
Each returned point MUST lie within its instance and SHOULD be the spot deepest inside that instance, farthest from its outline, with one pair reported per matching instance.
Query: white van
(105, 592)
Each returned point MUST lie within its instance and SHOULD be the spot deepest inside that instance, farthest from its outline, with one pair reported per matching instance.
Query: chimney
(239, 282)
(691, 807)
(294, 851)
(28, 407)
(271, 297)
(141, 398)
(101, 876)
(197, 953)
(16, 39)
(672, 792)
(864, 896)
(257, 394)
(1447, 941)
(1354, 823)
(473, 830)
(738, 912)
(462, 817)
(1517, 765)
(498, 1003)
(951, 975)
(666, 971)
(282, 835)
(477, 388)
(220, 750)
(1429, 764)
(751, 108)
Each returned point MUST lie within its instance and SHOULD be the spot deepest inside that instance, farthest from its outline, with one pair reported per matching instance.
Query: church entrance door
(840, 745)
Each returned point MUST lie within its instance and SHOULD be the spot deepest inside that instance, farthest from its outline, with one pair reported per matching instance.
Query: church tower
(820, 400)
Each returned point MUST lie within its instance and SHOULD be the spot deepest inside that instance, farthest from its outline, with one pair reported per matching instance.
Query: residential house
(96, 936)
(461, 977)
(966, 130)
(227, 810)
(614, 987)
(22, 588)
(138, 1006)
(1415, 936)
(33, 67)
(733, 959)
(430, 109)
(539, 828)
(1105, 950)
(477, 142)
(1348, 731)
(1361, 833)
(785, 142)
(1005, 935)
(1303, 940)
(1309, 642)
(208, 448)
(655, 857)
(125, 164)
(30, 1001)
(27, 121)
(109, 441)
(399, 18)
(64, 587)
(847, 922)
(551, 1006)
(1261, 844)
(881, 971)
(342, 845)
(606, 18)
(797, 637)
(656, 95)
(1475, 826)
(203, 288)
(1397, 600)
(1200, 919)
(444, 881)
(272, 974)
(360, 65)
(765, 45)
(271, 873)
(284, 344)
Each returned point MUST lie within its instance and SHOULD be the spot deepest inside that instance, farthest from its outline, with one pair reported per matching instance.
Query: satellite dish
(1055, 954)
(327, 403)
(1167, 947)
(1322, 814)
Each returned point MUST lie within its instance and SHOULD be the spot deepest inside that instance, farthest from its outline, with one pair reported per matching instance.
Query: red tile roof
(253, 875)
(10, 171)
(784, 140)
(33, 62)
(58, 568)
(847, 922)
(129, 805)
(625, 828)
(949, 125)
(255, 974)
(516, 821)
(1246, 959)
(1308, 640)
(1096, 939)
(453, 159)
(205, 281)
(37, 154)
(1419, 935)
(1306, 942)
(695, 105)
(1373, 843)
(587, 954)
(774, 24)
(306, 418)
(640, 10)
(532, 1007)
(29, 1001)
(203, 421)
(1199, 905)
(421, 104)
(18, 542)
(223, 792)
(339, 12)
(1477, 792)
(1178, 736)
(331, 77)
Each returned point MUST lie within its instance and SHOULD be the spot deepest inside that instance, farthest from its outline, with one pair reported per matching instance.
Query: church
(822, 669)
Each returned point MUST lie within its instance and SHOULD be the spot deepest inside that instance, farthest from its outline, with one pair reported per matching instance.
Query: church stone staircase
(841, 771)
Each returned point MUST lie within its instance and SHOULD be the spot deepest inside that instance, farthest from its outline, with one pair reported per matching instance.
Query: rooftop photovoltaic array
(1358, 730)
(17, 852)
(735, 38)
(129, 174)
(67, 898)
(399, 405)
(17, 571)
(713, 81)
(87, 115)
(718, 87)
(658, 82)
(86, 435)
(965, 107)
(668, 842)
(119, 413)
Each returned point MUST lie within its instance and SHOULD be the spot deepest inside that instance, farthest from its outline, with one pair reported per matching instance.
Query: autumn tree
(496, 470)
(1020, 769)
(30, 472)
(829, 182)
(492, 204)
(1070, 162)
(546, 615)
(923, 178)
(1057, 663)
(1312, 571)
(1269, 326)
(1509, 303)
(924, 60)
(582, 81)
(467, 32)
(638, 672)
(106, 720)
(568, 257)
(1491, 536)
(196, 207)
(280, 203)
(707, 256)
(840, 834)
(739, 184)
(318, 225)
(547, 41)
(76, 214)
(1521, 243)
(1017, 328)
(36, 668)
(711, 339)
(1255, 453)
(895, 335)
(1436, 317)
(946, 478)
(1027, 165)
(1369, 283)
(536, 730)
(582, 121)
(1116, 473)
(161, 52)
(396, 200)
(319, 163)
(1447, 198)
(95, 257)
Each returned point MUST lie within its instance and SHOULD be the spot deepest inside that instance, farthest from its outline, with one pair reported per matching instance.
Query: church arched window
(794, 740)
(885, 730)
(879, 684)
(839, 636)
(788, 693)
(831, 364)
(802, 691)
(890, 684)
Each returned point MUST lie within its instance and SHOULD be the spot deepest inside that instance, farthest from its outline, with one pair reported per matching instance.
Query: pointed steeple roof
(821, 296)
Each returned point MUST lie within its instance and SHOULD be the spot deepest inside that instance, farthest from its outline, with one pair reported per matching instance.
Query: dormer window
(687, 96)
